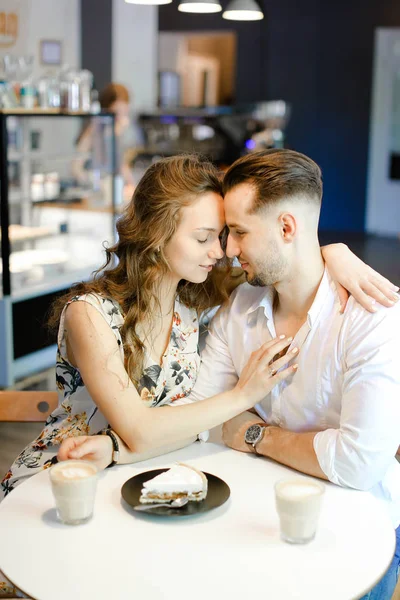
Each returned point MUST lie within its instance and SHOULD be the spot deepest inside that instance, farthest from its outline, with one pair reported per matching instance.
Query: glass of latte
(298, 503)
(74, 487)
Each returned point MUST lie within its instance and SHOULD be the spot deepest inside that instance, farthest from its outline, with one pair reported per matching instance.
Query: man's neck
(296, 293)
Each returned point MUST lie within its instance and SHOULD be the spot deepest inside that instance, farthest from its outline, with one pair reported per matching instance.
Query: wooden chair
(26, 406)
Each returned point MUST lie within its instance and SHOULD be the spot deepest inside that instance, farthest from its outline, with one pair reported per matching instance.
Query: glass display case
(58, 209)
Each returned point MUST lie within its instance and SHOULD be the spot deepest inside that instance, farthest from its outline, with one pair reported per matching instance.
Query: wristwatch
(254, 434)
(115, 445)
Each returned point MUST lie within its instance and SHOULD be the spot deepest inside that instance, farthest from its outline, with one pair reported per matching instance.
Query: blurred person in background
(114, 98)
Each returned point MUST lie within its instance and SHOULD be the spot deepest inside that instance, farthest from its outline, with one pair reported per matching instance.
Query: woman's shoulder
(102, 303)
(79, 317)
(109, 309)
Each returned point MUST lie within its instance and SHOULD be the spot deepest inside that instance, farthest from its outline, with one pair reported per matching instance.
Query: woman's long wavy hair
(135, 264)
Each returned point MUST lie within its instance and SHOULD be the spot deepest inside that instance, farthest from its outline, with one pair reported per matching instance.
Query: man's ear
(288, 227)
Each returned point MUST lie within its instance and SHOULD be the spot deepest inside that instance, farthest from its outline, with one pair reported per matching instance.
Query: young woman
(128, 339)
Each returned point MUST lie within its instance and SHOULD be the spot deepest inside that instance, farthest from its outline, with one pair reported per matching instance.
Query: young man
(338, 416)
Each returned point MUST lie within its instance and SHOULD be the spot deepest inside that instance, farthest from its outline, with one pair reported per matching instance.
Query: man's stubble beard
(260, 280)
(270, 271)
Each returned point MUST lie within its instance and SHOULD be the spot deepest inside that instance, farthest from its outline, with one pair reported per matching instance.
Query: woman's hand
(260, 374)
(94, 448)
(352, 275)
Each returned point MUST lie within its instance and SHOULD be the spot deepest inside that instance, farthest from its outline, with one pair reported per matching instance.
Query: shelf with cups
(58, 208)
(20, 111)
(37, 111)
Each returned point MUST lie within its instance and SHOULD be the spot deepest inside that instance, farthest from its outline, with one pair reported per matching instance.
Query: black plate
(218, 493)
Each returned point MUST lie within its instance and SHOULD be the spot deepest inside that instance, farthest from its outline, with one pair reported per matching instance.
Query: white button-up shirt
(347, 386)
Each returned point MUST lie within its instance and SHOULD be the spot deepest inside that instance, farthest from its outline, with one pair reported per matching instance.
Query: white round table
(232, 552)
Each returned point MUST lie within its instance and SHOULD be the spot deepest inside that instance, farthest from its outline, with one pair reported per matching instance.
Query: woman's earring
(158, 250)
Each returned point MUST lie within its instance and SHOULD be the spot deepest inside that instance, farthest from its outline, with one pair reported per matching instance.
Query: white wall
(46, 19)
(383, 194)
(134, 64)
(57, 20)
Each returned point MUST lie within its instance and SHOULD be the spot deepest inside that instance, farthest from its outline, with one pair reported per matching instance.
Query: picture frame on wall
(50, 52)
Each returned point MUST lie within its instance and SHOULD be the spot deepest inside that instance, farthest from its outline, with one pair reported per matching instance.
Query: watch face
(253, 433)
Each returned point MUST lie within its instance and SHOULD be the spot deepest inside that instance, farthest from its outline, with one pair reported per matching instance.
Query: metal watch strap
(260, 440)
(115, 444)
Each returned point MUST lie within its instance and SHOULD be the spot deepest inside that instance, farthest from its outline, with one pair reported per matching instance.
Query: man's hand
(233, 431)
(295, 450)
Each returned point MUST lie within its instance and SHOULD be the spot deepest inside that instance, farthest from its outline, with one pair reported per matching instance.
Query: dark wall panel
(331, 110)
(96, 37)
(292, 75)
(344, 85)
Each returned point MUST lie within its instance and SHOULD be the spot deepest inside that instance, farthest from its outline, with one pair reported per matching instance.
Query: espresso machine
(223, 133)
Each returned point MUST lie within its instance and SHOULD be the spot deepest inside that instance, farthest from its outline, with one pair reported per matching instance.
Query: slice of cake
(180, 480)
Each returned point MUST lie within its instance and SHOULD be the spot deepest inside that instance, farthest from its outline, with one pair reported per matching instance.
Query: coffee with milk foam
(70, 472)
(74, 487)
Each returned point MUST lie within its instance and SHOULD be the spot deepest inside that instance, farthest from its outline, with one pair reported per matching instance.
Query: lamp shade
(149, 2)
(199, 6)
(243, 10)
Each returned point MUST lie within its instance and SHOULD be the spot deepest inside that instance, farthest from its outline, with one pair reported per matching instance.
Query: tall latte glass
(74, 488)
(298, 502)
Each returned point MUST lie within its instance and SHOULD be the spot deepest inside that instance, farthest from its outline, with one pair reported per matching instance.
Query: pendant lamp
(149, 2)
(243, 10)
(199, 6)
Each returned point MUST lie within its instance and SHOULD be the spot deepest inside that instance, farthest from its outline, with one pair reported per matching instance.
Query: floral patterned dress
(77, 414)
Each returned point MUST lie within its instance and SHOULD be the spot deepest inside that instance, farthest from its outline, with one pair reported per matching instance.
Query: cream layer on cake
(180, 480)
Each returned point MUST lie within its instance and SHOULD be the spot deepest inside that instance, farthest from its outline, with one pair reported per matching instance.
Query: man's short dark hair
(276, 174)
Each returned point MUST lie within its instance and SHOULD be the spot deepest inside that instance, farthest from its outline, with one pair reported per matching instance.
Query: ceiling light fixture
(149, 2)
(197, 6)
(243, 10)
